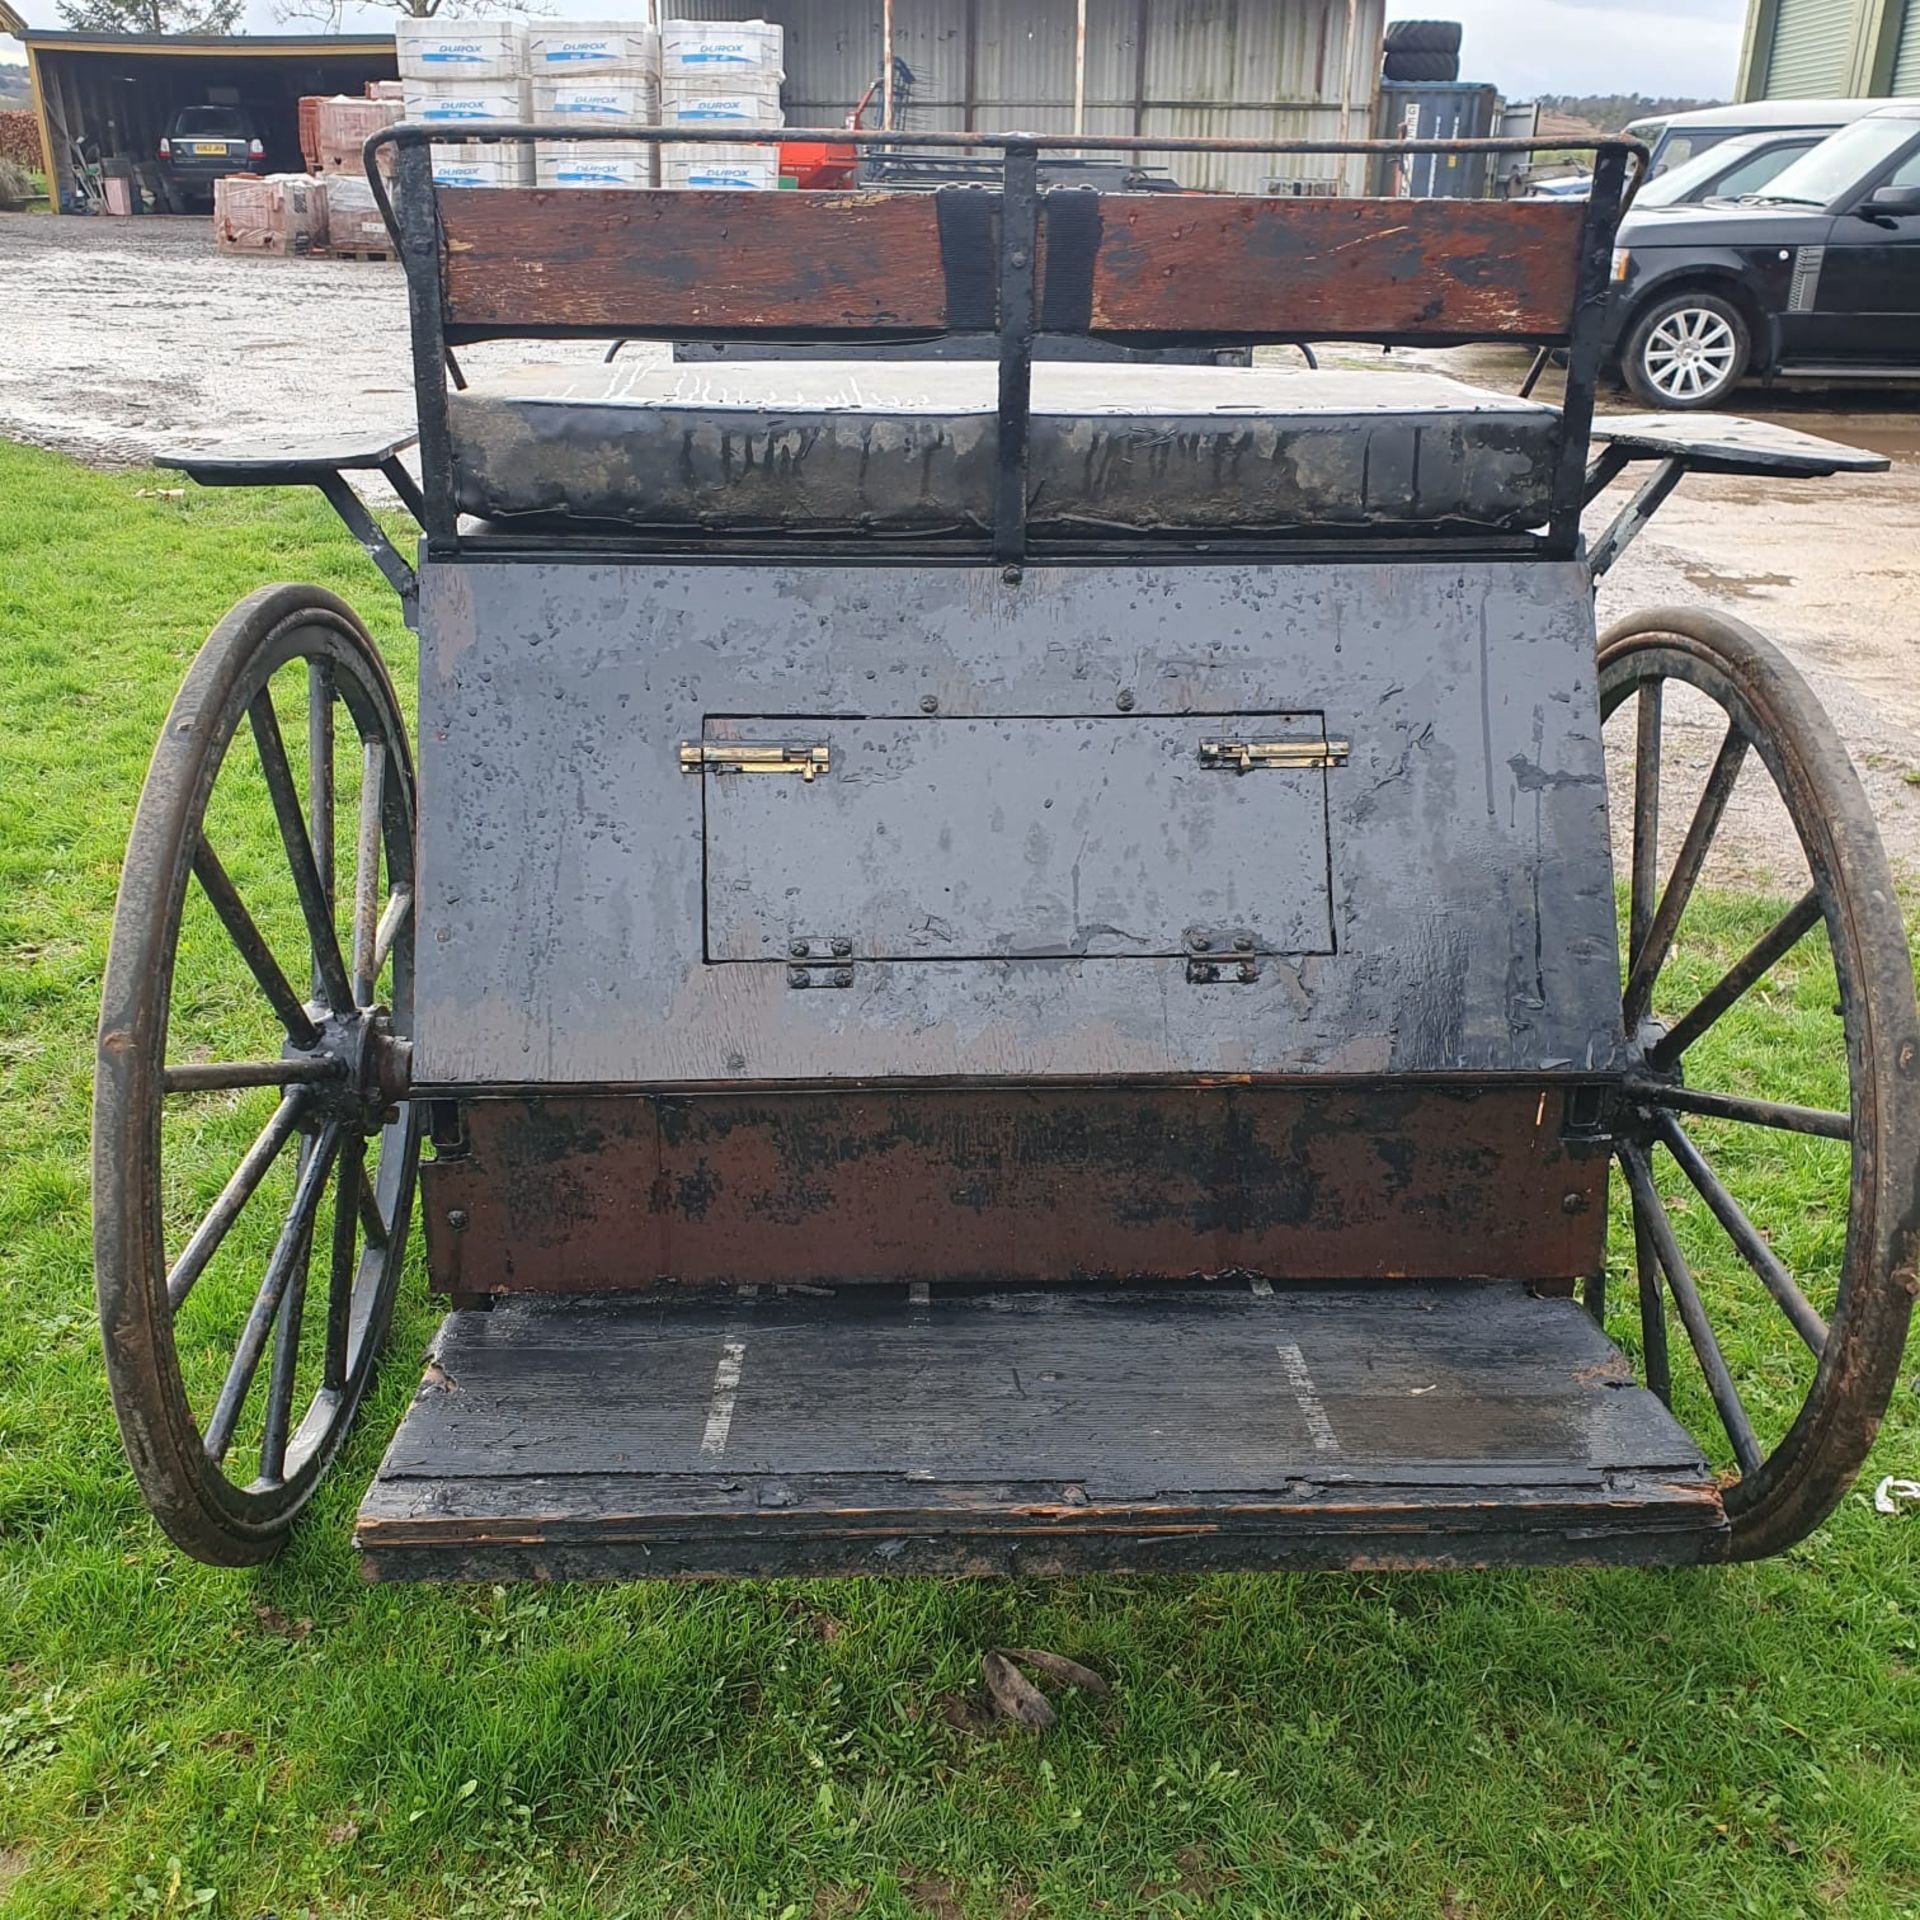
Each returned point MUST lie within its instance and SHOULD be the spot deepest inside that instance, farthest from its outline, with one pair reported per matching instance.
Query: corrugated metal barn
(1291, 69)
(1830, 49)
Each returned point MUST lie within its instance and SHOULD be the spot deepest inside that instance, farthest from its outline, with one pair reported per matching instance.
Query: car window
(218, 123)
(1687, 143)
(1906, 174)
(1841, 160)
(1750, 175)
(1746, 163)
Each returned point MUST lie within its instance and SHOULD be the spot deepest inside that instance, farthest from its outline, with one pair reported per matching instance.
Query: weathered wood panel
(652, 260)
(1468, 831)
(1367, 268)
(1032, 1432)
(649, 258)
(1015, 1184)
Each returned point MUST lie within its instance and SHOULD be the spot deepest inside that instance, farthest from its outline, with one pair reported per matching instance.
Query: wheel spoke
(373, 1223)
(1757, 961)
(314, 904)
(1822, 1121)
(206, 1238)
(320, 779)
(282, 1372)
(399, 910)
(366, 870)
(350, 1201)
(1653, 1313)
(1686, 871)
(289, 1250)
(1741, 1231)
(219, 1076)
(1693, 1316)
(226, 902)
(1646, 816)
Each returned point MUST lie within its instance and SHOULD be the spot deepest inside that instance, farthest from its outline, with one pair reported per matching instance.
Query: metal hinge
(820, 963)
(1215, 955)
(1242, 756)
(737, 756)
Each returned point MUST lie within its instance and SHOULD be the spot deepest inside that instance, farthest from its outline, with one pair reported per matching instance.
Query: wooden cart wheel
(1796, 1311)
(251, 1007)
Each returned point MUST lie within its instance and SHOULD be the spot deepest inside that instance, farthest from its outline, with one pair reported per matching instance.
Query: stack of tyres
(1421, 52)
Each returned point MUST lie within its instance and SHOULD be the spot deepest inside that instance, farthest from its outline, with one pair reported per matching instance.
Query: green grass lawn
(175, 1739)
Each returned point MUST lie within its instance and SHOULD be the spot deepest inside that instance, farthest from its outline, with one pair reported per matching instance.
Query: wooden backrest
(1148, 269)
(651, 263)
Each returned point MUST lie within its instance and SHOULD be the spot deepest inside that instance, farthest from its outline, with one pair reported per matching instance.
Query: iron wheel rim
(212, 1516)
(1774, 718)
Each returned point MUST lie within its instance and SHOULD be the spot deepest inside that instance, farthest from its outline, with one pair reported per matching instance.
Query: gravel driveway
(123, 336)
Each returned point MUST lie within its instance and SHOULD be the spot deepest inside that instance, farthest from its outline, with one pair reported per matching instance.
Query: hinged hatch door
(1125, 836)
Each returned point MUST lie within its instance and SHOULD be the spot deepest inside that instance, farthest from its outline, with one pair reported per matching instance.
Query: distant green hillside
(13, 88)
(1612, 111)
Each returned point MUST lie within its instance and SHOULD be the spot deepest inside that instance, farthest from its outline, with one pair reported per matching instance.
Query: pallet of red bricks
(270, 213)
(354, 224)
(342, 123)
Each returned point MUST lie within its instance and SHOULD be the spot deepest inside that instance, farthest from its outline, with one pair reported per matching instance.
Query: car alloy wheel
(1690, 354)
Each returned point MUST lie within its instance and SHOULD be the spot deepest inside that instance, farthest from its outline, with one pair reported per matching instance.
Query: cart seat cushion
(868, 446)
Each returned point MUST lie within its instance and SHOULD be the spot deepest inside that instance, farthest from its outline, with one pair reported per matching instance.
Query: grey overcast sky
(1654, 47)
(1524, 47)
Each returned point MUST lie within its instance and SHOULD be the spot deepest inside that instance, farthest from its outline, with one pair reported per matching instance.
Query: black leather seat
(907, 448)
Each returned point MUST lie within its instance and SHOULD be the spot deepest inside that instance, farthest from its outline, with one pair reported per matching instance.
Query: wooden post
(886, 65)
(1080, 65)
(36, 92)
(1139, 68)
(1346, 96)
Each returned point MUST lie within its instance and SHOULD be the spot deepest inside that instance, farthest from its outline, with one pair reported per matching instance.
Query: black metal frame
(411, 213)
(324, 467)
(1690, 445)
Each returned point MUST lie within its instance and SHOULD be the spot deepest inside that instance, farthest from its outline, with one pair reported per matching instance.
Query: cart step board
(882, 1430)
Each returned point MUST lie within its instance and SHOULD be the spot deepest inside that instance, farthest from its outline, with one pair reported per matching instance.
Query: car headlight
(1622, 258)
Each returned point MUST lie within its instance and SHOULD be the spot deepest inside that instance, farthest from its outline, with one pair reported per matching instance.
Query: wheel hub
(1641, 1067)
(1642, 1042)
(369, 1069)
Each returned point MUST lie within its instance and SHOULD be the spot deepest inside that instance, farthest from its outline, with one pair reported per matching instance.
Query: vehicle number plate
(210, 146)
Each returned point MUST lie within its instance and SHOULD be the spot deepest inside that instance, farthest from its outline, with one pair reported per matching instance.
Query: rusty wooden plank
(1014, 1184)
(1372, 269)
(575, 1529)
(519, 257)
(997, 1432)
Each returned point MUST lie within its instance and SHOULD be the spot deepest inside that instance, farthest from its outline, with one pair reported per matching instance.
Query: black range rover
(1816, 276)
(202, 143)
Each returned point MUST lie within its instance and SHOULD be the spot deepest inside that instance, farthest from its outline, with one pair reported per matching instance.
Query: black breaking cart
(998, 964)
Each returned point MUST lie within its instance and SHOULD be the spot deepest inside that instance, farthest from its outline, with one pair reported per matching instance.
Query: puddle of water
(1734, 586)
